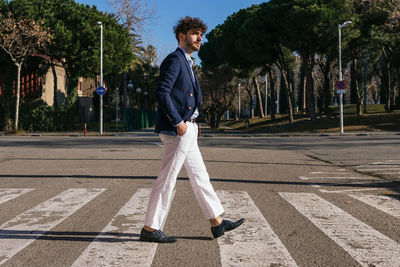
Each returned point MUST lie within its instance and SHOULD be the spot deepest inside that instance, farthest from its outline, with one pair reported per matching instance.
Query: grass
(375, 120)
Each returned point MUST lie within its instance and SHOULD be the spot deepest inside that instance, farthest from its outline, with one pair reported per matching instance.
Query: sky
(159, 32)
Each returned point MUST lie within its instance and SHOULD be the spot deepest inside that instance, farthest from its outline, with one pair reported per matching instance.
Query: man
(179, 97)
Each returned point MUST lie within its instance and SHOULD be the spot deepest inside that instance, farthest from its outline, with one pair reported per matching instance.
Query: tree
(219, 91)
(222, 48)
(145, 76)
(383, 18)
(133, 15)
(262, 44)
(21, 37)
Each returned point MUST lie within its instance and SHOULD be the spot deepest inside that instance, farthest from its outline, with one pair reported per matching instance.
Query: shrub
(46, 118)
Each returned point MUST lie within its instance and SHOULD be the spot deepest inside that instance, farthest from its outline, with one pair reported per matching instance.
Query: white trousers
(179, 150)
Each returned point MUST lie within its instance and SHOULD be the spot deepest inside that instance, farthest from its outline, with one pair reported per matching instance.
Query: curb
(205, 133)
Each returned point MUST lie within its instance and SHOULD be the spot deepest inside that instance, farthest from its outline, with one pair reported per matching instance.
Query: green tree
(145, 76)
(383, 19)
(222, 48)
(262, 43)
(21, 37)
(308, 26)
(76, 36)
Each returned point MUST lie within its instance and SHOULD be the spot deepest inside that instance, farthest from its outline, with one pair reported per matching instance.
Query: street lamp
(145, 93)
(101, 76)
(138, 91)
(130, 87)
(340, 26)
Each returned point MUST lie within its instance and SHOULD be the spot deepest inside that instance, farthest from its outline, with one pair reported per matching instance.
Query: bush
(46, 118)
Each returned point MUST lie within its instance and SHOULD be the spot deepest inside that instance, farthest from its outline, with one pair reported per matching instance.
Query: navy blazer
(178, 94)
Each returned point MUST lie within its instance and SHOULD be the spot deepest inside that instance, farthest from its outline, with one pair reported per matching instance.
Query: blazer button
(191, 94)
(189, 108)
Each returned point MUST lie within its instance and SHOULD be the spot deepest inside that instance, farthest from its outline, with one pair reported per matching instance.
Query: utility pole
(340, 73)
(101, 76)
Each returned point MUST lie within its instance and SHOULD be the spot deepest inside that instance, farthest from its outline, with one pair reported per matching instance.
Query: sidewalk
(206, 132)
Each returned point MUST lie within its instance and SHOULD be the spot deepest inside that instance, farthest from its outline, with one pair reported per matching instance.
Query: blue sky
(159, 33)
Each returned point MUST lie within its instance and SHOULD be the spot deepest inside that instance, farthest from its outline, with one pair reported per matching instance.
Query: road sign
(101, 90)
(340, 85)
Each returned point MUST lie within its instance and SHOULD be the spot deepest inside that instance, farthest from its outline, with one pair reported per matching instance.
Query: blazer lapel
(186, 63)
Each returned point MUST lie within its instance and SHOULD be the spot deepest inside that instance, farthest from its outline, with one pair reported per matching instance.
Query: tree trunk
(326, 87)
(288, 89)
(388, 86)
(272, 92)
(55, 97)
(17, 95)
(289, 93)
(302, 91)
(260, 105)
(308, 61)
(355, 86)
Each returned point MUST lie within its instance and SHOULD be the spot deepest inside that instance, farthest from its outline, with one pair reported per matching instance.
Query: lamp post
(138, 91)
(145, 93)
(116, 103)
(101, 76)
(340, 72)
(130, 87)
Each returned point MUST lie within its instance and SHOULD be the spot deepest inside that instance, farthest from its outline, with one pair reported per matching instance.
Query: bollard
(85, 129)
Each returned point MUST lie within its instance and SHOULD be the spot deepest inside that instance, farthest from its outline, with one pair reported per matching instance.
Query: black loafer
(157, 236)
(225, 226)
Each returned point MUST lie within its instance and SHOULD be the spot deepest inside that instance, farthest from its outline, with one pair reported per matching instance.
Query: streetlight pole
(130, 87)
(340, 72)
(138, 91)
(101, 76)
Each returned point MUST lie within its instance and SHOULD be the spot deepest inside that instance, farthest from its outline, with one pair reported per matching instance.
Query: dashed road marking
(22, 230)
(254, 243)
(347, 190)
(7, 194)
(365, 244)
(124, 248)
(386, 204)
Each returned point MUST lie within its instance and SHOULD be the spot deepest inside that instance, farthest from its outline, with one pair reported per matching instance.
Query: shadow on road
(70, 236)
(109, 237)
(395, 185)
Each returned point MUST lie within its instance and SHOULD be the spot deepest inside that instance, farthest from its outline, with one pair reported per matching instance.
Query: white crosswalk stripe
(117, 252)
(384, 203)
(253, 244)
(7, 194)
(22, 230)
(256, 244)
(366, 245)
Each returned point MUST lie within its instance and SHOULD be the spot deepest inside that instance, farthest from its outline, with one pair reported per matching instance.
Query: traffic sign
(340, 85)
(101, 90)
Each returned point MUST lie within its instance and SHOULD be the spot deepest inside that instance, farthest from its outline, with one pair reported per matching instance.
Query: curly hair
(187, 23)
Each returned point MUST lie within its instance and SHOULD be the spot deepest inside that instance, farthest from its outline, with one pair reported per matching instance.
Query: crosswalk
(388, 168)
(257, 244)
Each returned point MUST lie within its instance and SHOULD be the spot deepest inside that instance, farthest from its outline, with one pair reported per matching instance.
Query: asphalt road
(308, 201)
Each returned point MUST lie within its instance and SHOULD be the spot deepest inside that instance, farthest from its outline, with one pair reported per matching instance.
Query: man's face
(191, 41)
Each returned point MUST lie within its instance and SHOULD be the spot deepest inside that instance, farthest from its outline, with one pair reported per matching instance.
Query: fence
(136, 119)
